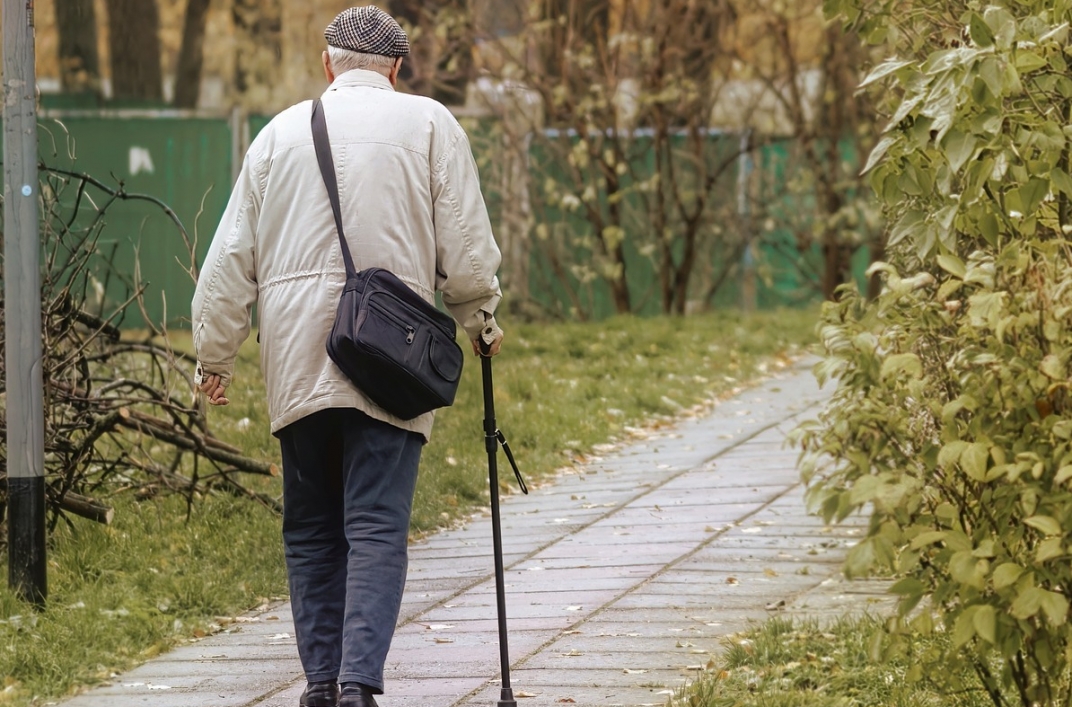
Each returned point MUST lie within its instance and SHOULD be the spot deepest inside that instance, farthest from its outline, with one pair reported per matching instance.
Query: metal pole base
(506, 698)
(26, 538)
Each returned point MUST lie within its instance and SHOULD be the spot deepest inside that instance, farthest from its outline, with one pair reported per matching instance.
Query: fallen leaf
(732, 580)
(770, 573)
(525, 694)
(775, 605)
(567, 699)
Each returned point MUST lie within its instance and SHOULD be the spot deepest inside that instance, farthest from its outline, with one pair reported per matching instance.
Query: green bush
(951, 424)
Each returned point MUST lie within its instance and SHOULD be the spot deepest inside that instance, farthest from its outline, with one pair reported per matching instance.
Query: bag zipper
(411, 332)
(424, 319)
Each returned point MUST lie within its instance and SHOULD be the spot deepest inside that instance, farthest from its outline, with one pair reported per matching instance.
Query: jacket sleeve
(227, 285)
(467, 257)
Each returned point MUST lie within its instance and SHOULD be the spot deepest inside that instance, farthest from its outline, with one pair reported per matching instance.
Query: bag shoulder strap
(327, 171)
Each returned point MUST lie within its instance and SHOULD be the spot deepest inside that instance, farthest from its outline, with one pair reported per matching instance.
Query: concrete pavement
(623, 577)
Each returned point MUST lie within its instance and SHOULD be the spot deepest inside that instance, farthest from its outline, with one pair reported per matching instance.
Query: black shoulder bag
(398, 349)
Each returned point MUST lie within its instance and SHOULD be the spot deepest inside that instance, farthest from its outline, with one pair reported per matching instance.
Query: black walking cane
(493, 437)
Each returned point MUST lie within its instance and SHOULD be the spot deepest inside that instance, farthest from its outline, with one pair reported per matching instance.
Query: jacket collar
(360, 78)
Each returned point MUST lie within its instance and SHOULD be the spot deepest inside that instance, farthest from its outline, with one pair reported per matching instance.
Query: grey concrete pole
(22, 310)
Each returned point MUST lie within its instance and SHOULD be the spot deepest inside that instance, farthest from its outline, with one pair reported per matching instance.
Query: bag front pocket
(389, 334)
(446, 359)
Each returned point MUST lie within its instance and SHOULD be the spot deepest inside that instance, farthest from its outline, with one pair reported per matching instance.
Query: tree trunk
(455, 66)
(620, 288)
(191, 55)
(619, 284)
(837, 265)
(79, 60)
(440, 64)
(259, 39)
(877, 252)
(408, 14)
(573, 23)
(684, 270)
(702, 18)
(553, 51)
(134, 42)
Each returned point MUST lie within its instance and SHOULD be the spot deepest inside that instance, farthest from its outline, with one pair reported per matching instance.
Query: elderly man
(411, 203)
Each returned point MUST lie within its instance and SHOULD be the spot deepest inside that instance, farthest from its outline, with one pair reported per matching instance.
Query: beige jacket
(411, 203)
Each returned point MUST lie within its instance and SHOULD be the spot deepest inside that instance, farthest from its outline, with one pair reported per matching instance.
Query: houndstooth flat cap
(368, 30)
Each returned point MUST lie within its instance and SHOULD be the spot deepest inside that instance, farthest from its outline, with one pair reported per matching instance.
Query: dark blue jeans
(348, 484)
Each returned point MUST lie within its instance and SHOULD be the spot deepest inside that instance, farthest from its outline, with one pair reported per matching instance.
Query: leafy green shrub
(952, 421)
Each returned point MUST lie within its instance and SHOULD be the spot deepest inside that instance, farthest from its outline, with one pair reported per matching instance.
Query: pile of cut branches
(120, 414)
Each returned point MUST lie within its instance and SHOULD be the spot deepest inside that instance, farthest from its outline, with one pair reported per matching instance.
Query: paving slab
(624, 578)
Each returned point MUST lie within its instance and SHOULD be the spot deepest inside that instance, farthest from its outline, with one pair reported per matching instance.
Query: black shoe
(354, 694)
(320, 694)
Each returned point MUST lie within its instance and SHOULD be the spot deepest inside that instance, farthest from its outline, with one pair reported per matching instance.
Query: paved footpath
(623, 578)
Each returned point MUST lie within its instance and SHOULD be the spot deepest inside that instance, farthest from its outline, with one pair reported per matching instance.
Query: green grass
(559, 389)
(119, 595)
(782, 664)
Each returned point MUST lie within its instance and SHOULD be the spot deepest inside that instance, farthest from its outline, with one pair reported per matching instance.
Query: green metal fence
(188, 161)
(182, 159)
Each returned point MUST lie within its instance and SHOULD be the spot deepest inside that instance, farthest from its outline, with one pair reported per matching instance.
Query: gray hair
(343, 60)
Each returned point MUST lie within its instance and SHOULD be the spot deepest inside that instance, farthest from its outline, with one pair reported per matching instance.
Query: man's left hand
(493, 350)
(214, 390)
